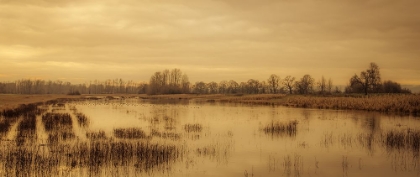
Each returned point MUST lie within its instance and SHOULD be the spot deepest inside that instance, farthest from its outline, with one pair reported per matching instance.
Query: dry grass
(11, 101)
(405, 104)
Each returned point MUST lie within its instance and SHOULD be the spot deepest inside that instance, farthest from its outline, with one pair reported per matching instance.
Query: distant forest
(176, 82)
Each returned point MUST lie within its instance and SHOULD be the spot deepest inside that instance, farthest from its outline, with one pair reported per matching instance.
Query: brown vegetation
(405, 104)
(388, 103)
(402, 139)
(281, 129)
(129, 133)
(193, 127)
(11, 101)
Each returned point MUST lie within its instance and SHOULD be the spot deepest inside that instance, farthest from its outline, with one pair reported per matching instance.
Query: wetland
(118, 136)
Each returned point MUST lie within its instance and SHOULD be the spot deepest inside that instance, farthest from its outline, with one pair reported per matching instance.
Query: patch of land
(12, 101)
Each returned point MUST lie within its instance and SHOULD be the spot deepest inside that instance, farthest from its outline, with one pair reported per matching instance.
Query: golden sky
(210, 40)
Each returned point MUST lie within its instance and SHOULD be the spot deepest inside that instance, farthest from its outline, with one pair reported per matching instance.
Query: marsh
(146, 137)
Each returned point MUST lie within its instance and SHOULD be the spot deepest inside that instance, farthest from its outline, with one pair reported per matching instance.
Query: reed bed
(193, 128)
(409, 139)
(26, 131)
(21, 110)
(210, 150)
(281, 129)
(57, 121)
(129, 133)
(100, 135)
(59, 127)
(60, 136)
(62, 155)
(404, 104)
(82, 120)
(143, 155)
(97, 156)
(5, 126)
(219, 151)
(165, 135)
(264, 99)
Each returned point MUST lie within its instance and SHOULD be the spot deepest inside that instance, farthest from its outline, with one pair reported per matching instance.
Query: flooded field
(137, 137)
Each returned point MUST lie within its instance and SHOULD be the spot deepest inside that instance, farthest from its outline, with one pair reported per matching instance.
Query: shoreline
(402, 104)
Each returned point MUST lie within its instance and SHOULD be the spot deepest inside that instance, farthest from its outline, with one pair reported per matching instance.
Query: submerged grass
(281, 129)
(402, 139)
(63, 155)
(96, 156)
(82, 120)
(26, 131)
(193, 127)
(57, 121)
(20, 110)
(129, 133)
(96, 135)
(5, 126)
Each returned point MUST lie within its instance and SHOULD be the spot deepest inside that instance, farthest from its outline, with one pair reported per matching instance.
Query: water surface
(135, 137)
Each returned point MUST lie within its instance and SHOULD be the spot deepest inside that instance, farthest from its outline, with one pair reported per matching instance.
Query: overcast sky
(210, 40)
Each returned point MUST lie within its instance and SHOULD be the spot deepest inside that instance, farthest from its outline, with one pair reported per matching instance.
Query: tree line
(176, 82)
(37, 86)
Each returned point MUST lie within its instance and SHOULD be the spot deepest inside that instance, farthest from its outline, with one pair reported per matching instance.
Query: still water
(136, 137)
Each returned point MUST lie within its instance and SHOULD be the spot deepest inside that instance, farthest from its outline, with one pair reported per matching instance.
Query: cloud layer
(210, 40)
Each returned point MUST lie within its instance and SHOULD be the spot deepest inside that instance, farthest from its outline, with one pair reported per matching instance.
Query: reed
(129, 133)
(165, 135)
(5, 126)
(403, 104)
(25, 156)
(57, 121)
(281, 129)
(26, 131)
(96, 135)
(409, 139)
(82, 120)
(20, 110)
(193, 127)
(96, 156)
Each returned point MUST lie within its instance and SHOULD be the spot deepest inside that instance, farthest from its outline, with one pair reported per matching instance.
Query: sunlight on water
(128, 137)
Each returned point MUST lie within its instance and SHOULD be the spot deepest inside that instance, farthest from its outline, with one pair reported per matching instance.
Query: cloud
(239, 39)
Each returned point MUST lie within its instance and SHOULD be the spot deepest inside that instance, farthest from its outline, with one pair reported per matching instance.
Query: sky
(209, 40)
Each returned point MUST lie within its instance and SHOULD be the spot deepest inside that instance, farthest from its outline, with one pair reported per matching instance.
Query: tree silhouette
(369, 80)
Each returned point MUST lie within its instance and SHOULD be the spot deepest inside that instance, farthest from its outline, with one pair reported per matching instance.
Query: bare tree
(200, 88)
(288, 83)
(273, 82)
(175, 76)
(185, 84)
(213, 87)
(233, 86)
(322, 85)
(329, 86)
(305, 85)
(369, 80)
(155, 84)
(223, 85)
(252, 86)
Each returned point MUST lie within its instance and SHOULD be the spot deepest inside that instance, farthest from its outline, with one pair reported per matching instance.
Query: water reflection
(135, 137)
